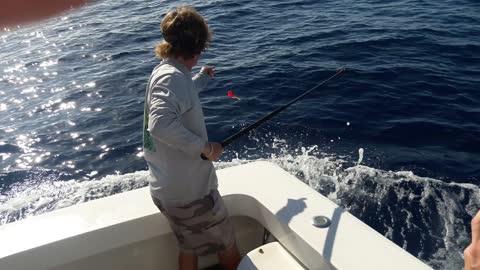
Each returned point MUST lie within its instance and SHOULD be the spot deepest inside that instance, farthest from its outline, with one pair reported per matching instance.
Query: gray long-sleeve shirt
(175, 135)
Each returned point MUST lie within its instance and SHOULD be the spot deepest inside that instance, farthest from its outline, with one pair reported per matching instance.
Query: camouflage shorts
(202, 227)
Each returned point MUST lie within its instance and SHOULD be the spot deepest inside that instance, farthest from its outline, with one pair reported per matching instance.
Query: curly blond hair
(185, 34)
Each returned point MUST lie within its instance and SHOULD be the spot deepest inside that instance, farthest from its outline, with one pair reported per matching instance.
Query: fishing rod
(242, 132)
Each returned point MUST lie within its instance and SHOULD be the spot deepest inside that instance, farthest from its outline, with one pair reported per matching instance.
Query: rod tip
(340, 70)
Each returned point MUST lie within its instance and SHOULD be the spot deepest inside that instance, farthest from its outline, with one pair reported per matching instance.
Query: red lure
(230, 94)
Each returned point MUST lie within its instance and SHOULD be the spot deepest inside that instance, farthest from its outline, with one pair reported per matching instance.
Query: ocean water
(395, 139)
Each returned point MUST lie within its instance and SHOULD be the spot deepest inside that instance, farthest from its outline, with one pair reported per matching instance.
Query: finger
(219, 153)
(476, 228)
(467, 258)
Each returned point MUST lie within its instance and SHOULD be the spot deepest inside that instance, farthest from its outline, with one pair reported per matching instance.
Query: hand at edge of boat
(472, 252)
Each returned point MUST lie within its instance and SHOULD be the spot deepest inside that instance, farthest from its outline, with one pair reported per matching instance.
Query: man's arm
(17, 12)
(164, 118)
(201, 79)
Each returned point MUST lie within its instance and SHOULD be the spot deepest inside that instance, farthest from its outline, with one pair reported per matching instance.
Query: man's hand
(472, 252)
(212, 151)
(210, 70)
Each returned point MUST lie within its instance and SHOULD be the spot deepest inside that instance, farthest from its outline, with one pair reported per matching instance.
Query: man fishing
(183, 186)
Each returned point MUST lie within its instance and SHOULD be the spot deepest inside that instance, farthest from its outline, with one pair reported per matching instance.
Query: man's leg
(230, 258)
(187, 261)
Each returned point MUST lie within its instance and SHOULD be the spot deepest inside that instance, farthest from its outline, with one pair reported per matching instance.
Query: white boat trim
(259, 190)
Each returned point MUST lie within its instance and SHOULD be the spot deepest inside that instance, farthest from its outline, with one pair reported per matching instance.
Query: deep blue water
(72, 90)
